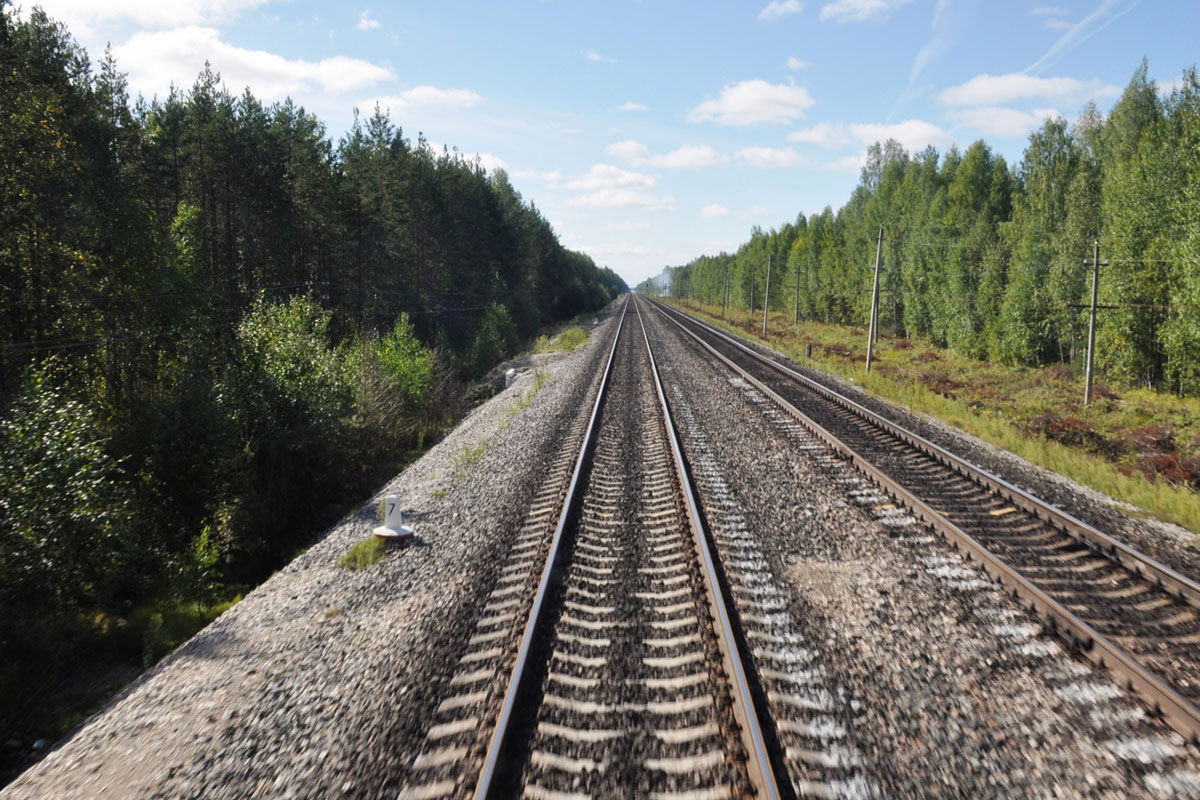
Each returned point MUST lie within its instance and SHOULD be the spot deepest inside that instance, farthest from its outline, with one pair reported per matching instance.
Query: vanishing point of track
(1122, 609)
(625, 676)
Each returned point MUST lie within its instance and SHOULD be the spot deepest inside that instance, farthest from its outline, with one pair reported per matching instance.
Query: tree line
(992, 260)
(218, 327)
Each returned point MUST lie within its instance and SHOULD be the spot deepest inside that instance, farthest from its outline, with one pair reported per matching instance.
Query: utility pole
(1091, 356)
(725, 299)
(767, 297)
(871, 333)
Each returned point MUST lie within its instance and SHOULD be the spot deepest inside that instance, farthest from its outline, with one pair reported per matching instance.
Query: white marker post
(392, 528)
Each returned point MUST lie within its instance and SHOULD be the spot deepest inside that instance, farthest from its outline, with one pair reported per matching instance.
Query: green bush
(495, 338)
(63, 503)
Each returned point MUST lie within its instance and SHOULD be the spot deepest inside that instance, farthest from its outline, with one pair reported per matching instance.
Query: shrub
(63, 504)
(495, 338)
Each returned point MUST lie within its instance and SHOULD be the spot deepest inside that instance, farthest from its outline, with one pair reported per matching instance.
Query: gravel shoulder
(933, 682)
(321, 681)
(1171, 544)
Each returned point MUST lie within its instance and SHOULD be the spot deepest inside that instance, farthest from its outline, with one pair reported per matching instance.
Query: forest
(994, 260)
(219, 331)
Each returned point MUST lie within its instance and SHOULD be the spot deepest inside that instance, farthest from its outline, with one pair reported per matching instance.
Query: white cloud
(365, 23)
(713, 210)
(795, 63)
(770, 157)
(759, 211)
(1048, 11)
(156, 59)
(592, 55)
(778, 9)
(627, 150)
(82, 16)
(621, 198)
(689, 157)
(629, 105)
(534, 175)
(754, 102)
(824, 134)
(913, 134)
(997, 121)
(628, 225)
(991, 90)
(1056, 24)
(606, 176)
(489, 162)
(433, 96)
(860, 10)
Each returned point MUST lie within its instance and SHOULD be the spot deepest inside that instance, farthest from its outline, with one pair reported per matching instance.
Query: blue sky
(652, 131)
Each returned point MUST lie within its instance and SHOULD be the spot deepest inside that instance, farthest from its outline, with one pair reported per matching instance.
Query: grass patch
(540, 379)
(334, 612)
(1136, 445)
(568, 341)
(363, 554)
(468, 457)
(438, 494)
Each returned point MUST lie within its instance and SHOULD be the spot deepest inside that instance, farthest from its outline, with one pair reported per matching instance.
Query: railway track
(1123, 610)
(617, 672)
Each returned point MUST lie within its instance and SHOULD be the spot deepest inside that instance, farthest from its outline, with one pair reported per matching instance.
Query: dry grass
(1136, 445)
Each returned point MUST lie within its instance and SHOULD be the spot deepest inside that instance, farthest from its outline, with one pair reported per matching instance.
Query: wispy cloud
(993, 90)
(999, 121)
(770, 157)
(81, 16)
(687, 156)
(621, 198)
(1100, 18)
(860, 10)
(795, 63)
(778, 9)
(632, 106)
(429, 96)
(714, 210)
(626, 226)
(592, 55)
(913, 134)
(937, 43)
(607, 176)
(365, 23)
(754, 102)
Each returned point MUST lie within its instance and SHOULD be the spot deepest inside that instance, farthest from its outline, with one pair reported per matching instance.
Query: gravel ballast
(319, 683)
(938, 684)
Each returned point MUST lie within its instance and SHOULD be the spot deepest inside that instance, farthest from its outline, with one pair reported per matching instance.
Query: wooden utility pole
(725, 297)
(1091, 356)
(767, 297)
(873, 330)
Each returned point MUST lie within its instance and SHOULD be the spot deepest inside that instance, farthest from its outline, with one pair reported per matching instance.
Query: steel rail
(1170, 580)
(759, 766)
(488, 773)
(1178, 711)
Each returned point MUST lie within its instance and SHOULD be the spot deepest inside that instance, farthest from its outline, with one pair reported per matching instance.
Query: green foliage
(407, 365)
(363, 554)
(568, 341)
(990, 260)
(495, 339)
(63, 503)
